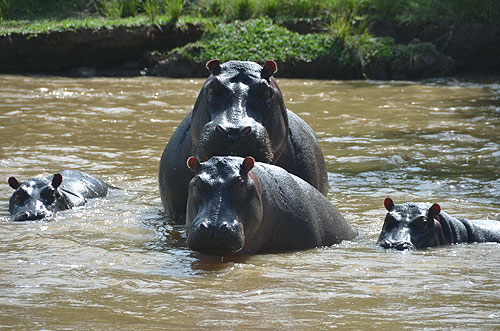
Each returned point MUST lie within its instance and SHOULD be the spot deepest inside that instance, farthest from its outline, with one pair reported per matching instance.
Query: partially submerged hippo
(418, 225)
(240, 111)
(39, 198)
(237, 205)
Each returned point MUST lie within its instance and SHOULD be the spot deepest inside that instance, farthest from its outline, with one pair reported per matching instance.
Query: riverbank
(378, 47)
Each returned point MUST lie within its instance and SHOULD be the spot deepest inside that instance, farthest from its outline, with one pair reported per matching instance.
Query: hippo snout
(233, 134)
(31, 216)
(216, 237)
(401, 245)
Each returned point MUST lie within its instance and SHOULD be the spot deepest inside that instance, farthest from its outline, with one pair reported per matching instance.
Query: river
(114, 264)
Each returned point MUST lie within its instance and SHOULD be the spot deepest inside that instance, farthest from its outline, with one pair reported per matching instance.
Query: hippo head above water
(36, 198)
(240, 111)
(224, 207)
(410, 226)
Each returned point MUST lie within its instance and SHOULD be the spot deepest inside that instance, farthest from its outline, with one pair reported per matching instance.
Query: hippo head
(36, 198)
(410, 226)
(240, 111)
(224, 207)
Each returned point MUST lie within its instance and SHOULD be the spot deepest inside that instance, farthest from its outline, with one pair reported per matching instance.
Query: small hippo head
(410, 226)
(224, 207)
(240, 111)
(36, 198)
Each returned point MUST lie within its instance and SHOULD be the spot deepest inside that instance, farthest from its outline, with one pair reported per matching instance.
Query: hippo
(39, 198)
(239, 112)
(420, 225)
(239, 206)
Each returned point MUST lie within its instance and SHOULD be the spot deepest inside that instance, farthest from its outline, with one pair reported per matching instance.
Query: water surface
(115, 264)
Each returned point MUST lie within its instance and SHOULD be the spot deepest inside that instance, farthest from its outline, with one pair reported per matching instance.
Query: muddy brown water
(113, 264)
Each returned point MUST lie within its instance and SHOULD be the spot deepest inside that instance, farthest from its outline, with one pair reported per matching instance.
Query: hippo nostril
(224, 226)
(403, 246)
(385, 244)
(246, 131)
(220, 129)
(204, 226)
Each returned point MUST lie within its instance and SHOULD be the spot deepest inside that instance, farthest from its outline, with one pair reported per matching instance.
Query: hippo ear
(194, 164)
(389, 205)
(13, 183)
(57, 180)
(213, 66)
(269, 69)
(247, 165)
(433, 211)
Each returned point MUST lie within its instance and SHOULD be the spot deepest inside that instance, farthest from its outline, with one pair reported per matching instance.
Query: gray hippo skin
(39, 198)
(239, 206)
(419, 225)
(239, 112)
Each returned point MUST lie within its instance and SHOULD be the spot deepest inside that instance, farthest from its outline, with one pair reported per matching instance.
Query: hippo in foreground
(419, 225)
(39, 198)
(239, 206)
(239, 112)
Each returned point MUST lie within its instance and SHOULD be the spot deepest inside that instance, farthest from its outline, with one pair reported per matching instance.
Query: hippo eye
(19, 197)
(262, 89)
(213, 91)
(196, 186)
(49, 195)
(239, 185)
(390, 222)
(420, 224)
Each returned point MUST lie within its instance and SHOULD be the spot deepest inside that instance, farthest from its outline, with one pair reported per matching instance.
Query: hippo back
(303, 217)
(79, 186)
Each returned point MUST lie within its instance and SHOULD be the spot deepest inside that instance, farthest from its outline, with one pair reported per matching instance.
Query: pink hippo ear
(389, 205)
(434, 211)
(269, 69)
(194, 164)
(57, 180)
(213, 66)
(13, 183)
(247, 165)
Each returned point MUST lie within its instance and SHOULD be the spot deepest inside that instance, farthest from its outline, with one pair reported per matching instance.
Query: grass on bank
(354, 12)
(258, 39)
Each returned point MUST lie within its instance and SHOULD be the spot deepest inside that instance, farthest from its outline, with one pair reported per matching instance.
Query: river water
(114, 264)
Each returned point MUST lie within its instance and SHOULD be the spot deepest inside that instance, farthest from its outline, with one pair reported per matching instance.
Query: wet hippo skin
(420, 225)
(239, 112)
(40, 197)
(239, 206)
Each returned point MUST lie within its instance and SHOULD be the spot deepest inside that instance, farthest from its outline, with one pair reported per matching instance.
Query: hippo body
(420, 225)
(236, 205)
(39, 198)
(239, 112)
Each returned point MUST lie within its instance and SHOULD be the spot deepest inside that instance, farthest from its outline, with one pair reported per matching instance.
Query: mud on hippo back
(239, 206)
(39, 198)
(420, 225)
(239, 112)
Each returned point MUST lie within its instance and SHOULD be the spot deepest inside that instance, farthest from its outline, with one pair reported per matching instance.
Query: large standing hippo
(237, 205)
(38, 198)
(240, 111)
(419, 225)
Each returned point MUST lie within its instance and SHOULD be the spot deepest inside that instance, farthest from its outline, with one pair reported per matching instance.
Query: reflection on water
(115, 264)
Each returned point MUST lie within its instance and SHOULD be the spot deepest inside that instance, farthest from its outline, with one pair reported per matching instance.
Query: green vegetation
(356, 11)
(259, 39)
(253, 29)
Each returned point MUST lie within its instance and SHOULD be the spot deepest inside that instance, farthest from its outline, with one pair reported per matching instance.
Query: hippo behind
(40, 198)
(236, 205)
(419, 225)
(239, 112)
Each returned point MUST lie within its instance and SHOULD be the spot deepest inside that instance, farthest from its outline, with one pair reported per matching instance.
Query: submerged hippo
(40, 197)
(237, 205)
(419, 225)
(239, 112)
